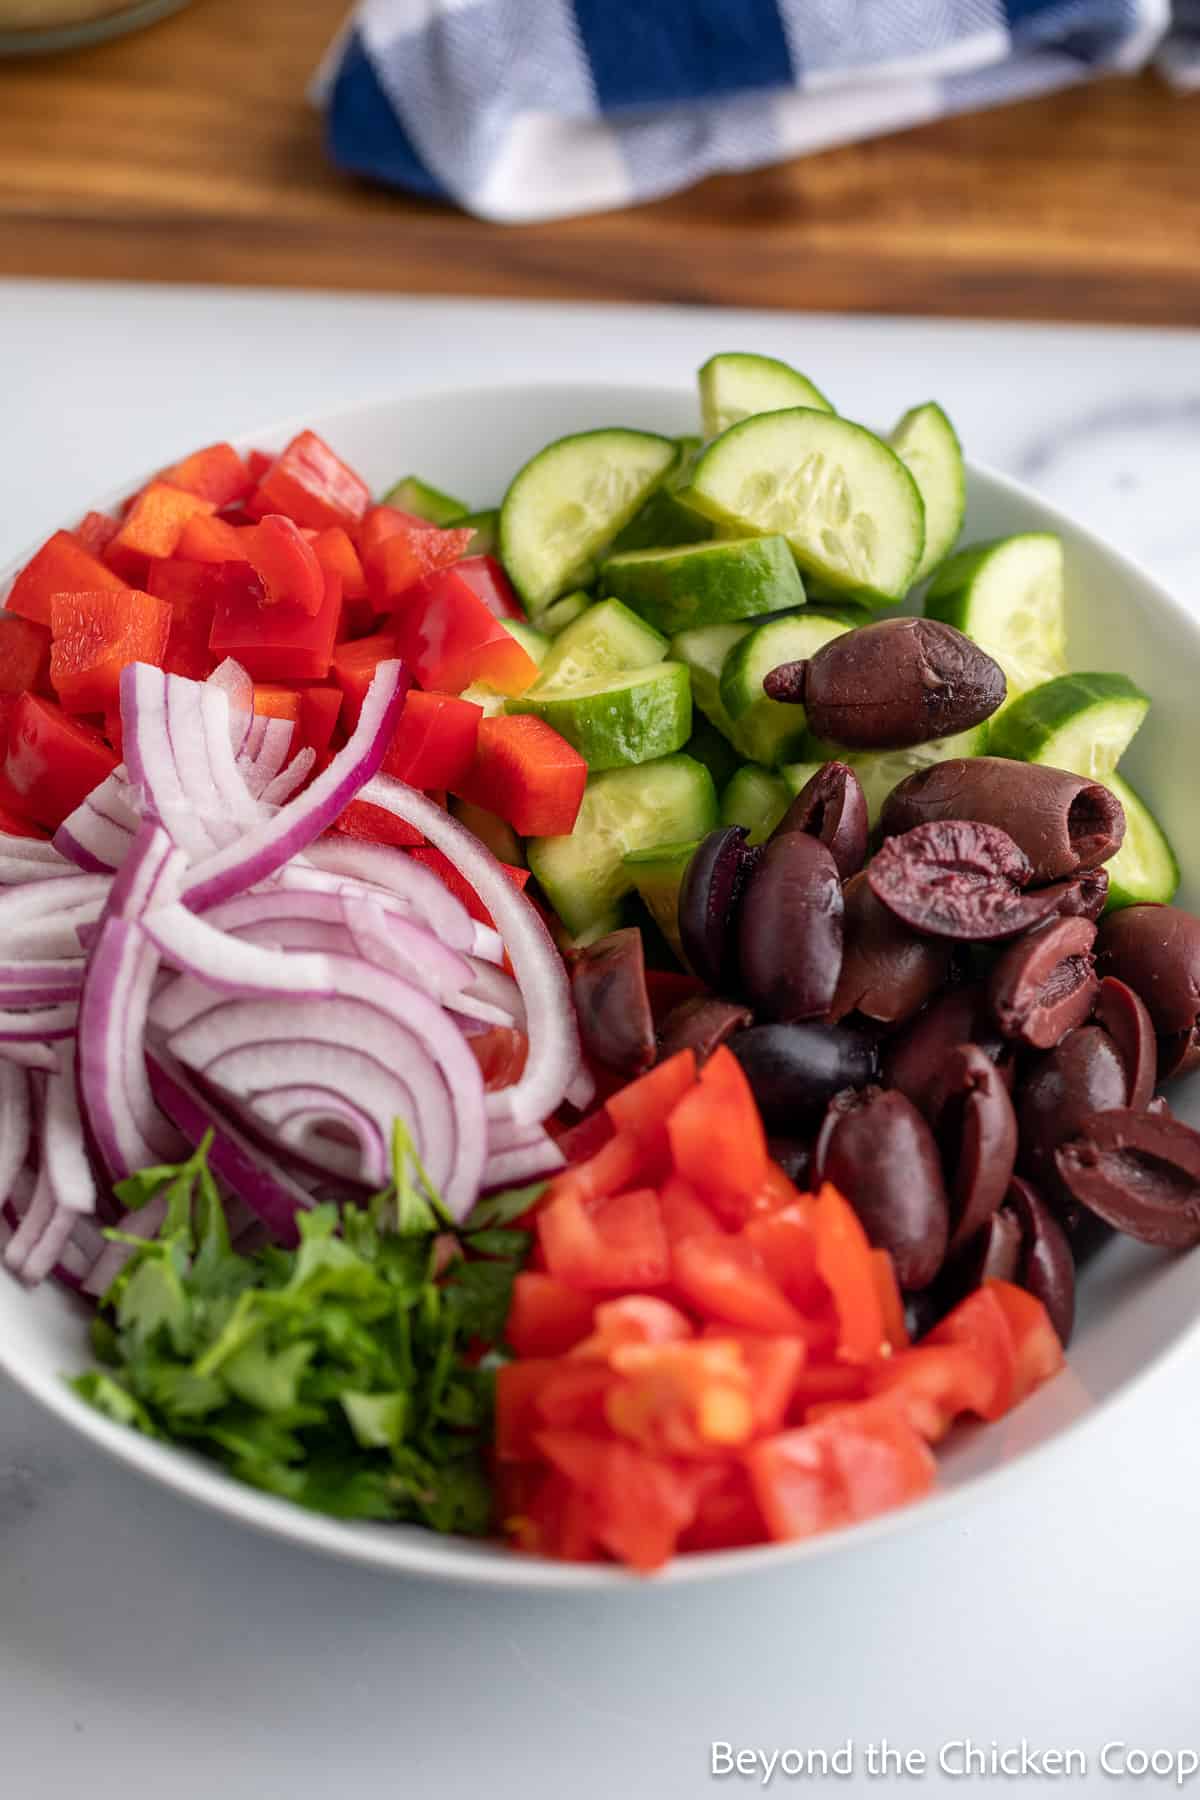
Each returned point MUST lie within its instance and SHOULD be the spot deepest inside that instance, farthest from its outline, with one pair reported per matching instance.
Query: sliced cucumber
(1144, 868)
(635, 716)
(585, 875)
(491, 830)
(738, 384)
(489, 698)
(1008, 595)
(486, 526)
(843, 499)
(412, 495)
(703, 652)
(567, 504)
(658, 876)
(561, 613)
(712, 748)
(766, 730)
(756, 798)
(535, 643)
(706, 584)
(665, 519)
(879, 771)
(602, 641)
(1081, 722)
(927, 444)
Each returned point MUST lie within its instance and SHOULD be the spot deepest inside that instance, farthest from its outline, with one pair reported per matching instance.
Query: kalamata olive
(709, 898)
(1085, 1074)
(881, 1155)
(889, 971)
(701, 1024)
(913, 1061)
(831, 806)
(1156, 951)
(790, 930)
(794, 1156)
(1085, 895)
(958, 880)
(1044, 985)
(1124, 1016)
(1046, 1267)
(795, 1070)
(993, 1254)
(1140, 1172)
(893, 684)
(608, 985)
(1062, 822)
(1179, 1053)
(976, 1129)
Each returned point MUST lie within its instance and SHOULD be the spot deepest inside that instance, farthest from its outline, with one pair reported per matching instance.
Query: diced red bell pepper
(24, 654)
(216, 473)
(353, 667)
(844, 1263)
(399, 551)
(53, 761)
(257, 464)
(61, 566)
(319, 709)
(286, 564)
(547, 1317)
(12, 825)
(311, 485)
(96, 531)
(616, 1241)
(213, 540)
(450, 639)
(95, 635)
(191, 590)
(485, 575)
(152, 528)
(273, 643)
(527, 773)
(272, 702)
(717, 1138)
(435, 740)
(335, 551)
(461, 889)
(375, 825)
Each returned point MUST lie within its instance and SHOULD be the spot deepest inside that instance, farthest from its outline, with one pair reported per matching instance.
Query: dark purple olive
(794, 1156)
(976, 1129)
(1084, 1074)
(1046, 1267)
(1062, 822)
(790, 930)
(1044, 985)
(893, 684)
(889, 971)
(959, 880)
(608, 985)
(709, 898)
(1085, 895)
(701, 1024)
(881, 1155)
(1124, 1016)
(1156, 951)
(1179, 1054)
(831, 806)
(795, 1070)
(1140, 1172)
(913, 1061)
(993, 1254)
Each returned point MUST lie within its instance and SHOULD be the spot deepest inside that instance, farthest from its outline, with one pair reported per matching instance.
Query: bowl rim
(427, 1555)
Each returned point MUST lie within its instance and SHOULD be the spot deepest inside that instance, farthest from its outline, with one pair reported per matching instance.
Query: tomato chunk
(688, 1399)
(24, 654)
(980, 1324)
(641, 1108)
(216, 473)
(614, 1241)
(844, 1263)
(450, 639)
(53, 761)
(636, 1505)
(525, 772)
(1036, 1344)
(434, 742)
(61, 566)
(311, 485)
(274, 643)
(95, 635)
(838, 1471)
(152, 528)
(725, 1278)
(787, 1244)
(717, 1138)
(547, 1316)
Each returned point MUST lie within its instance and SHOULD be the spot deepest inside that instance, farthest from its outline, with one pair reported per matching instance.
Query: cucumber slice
(706, 584)
(658, 876)
(561, 613)
(567, 504)
(703, 652)
(756, 798)
(488, 698)
(535, 643)
(602, 641)
(843, 499)
(880, 771)
(1081, 722)
(766, 730)
(1144, 868)
(585, 875)
(927, 444)
(1009, 596)
(485, 525)
(412, 495)
(491, 830)
(712, 748)
(738, 384)
(665, 519)
(634, 716)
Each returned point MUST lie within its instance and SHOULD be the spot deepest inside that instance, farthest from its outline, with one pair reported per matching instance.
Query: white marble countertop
(147, 1648)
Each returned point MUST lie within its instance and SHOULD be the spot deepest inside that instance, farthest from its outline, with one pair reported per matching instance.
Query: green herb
(353, 1374)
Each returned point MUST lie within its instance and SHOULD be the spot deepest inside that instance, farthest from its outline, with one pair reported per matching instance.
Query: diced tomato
(277, 702)
(776, 1365)
(501, 1052)
(518, 1385)
(53, 761)
(61, 566)
(840, 1470)
(980, 1324)
(191, 590)
(312, 486)
(24, 654)
(725, 1278)
(553, 1521)
(689, 1399)
(152, 528)
(335, 551)
(727, 1515)
(936, 1382)
(641, 1109)
(375, 825)
(442, 866)
(434, 742)
(636, 1505)
(353, 668)
(489, 581)
(776, 1193)
(319, 710)
(616, 1165)
(787, 1244)
(685, 1214)
(96, 531)
(844, 1263)
(95, 636)
(582, 1140)
(526, 772)
(212, 540)
(1038, 1349)
(717, 1138)
(634, 1319)
(891, 1301)
(286, 564)
(399, 551)
(575, 1395)
(216, 473)
(273, 643)
(450, 639)
(614, 1241)
(547, 1317)
(824, 1384)
(257, 464)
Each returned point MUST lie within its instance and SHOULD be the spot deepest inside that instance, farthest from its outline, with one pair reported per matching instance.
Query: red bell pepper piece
(257, 464)
(192, 590)
(286, 564)
(96, 531)
(353, 667)
(152, 529)
(213, 540)
(319, 709)
(442, 866)
(434, 742)
(272, 702)
(485, 575)
(335, 551)
(375, 825)
(450, 639)
(216, 473)
(24, 654)
(53, 761)
(311, 485)
(95, 636)
(398, 551)
(12, 825)
(273, 643)
(61, 566)
(527, 773)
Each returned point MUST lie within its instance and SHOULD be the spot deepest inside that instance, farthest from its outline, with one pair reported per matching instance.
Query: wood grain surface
(189, 153)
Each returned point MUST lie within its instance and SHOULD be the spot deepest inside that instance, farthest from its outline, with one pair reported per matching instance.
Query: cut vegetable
(927, 444)
(630, 717)
(1081, 722)
(712, 748)
(665, 519)
(412, 495)
(535, 643)
(845, 502)
(1008, 596)
(585, 875)
(602, 641)
(756, 798)
(658, 875)
(768, 731)
(486, 526)
(564, 612)
(880, 771)
(737, 384)
(703, 652)
(1144, 868)
(569, 501)
(706, 584)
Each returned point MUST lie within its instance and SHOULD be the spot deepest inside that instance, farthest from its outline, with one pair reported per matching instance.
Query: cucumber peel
(1008, 595)
(1144, 868)
(602, 640)
(678, 588)
(1083, 722)
(634, 716)
(421, 498)
(927, 444)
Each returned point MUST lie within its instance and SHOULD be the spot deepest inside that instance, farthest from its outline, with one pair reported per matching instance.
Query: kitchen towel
(536, 109)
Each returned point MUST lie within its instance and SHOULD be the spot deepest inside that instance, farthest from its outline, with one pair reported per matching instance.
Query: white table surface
(148, 1649)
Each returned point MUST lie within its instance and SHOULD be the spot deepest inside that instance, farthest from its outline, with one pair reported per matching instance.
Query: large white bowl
(1135, 1304)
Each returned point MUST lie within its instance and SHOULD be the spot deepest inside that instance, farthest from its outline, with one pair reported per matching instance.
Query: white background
(148, 1649)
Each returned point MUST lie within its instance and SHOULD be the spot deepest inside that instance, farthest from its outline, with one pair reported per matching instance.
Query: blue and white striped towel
(535, 109)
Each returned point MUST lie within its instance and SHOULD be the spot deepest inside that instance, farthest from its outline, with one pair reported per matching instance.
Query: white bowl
(1135, 1304)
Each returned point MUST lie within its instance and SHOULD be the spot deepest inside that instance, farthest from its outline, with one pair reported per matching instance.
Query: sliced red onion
(165, 753)
(39, 851)
(98, 834)
(43, 1024)
(16, 871)
(297, 772)
(410, 951)
(36, 1221)
(65, 895)
(229, 965)
(238, 689)
(407, 888)
(227, 789)
(524, 1162)
(80, 1252)
(30, 1056)
(16, 1124)
(150, 875)
(258, 768)
(41, 984)
(144, 1223)
(299, 1115)
(64, 1153)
